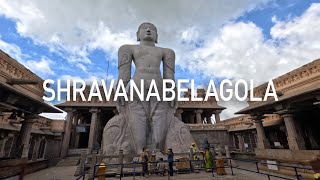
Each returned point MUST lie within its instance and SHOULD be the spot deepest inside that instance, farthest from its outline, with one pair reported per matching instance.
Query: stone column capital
(285, 113)
(198, 111)
(94, 110)
(217, 111)
(30, 118)
(257, 117)
(69, 110)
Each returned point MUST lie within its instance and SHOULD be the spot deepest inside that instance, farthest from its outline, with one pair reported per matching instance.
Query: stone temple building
(284, 131)
(85, 121)
(27, 141)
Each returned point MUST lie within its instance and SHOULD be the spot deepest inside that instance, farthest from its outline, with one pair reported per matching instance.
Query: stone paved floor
(66, 173)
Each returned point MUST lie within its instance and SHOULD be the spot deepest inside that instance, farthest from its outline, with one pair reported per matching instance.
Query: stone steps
(69, 161)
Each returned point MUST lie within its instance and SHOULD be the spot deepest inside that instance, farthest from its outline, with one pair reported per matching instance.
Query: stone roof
(11, 68)
(296, 83)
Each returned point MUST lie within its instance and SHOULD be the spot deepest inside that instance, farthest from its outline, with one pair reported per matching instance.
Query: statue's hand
(174, 102)
(120, 103)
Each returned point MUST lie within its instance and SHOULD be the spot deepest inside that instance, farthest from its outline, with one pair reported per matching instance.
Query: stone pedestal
(67, 132)
(295, 140)
(93, 128)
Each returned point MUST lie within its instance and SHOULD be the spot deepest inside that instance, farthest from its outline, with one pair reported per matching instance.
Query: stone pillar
(2, 151)
(191, 118)
(99, 130)
(67, 132)
(241, 142)
(217, 116)
(198, 116)
(262, 141)
(179, 114)
(226, 147)
(208, 117)
(295, 140)
(74, 133)
(23, 140)
(77, 133)
(36, 149)
(93, 128)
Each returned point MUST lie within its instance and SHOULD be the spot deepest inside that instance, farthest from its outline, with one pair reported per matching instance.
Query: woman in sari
(208, 160)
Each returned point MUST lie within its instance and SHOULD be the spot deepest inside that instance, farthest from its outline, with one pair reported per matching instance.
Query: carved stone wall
(294, 80)
(215, 137)
(12, 69)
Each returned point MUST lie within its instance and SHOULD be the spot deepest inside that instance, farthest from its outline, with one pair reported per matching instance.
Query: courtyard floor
(67, 172)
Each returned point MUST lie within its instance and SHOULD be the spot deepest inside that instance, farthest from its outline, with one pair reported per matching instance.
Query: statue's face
(147, 32)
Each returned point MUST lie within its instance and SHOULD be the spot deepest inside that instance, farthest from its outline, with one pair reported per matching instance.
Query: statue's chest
(145, 52)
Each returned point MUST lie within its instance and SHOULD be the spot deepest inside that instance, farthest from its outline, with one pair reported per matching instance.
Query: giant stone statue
(150, 123)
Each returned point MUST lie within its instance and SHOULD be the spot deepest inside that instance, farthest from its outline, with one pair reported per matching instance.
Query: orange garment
(220, 167)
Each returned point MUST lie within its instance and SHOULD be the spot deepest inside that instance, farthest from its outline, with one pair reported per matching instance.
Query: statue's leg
(160, 123)
(137, 124)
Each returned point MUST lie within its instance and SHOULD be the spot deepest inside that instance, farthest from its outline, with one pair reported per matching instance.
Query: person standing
(170, 160)
(208, 160)
(145, 159)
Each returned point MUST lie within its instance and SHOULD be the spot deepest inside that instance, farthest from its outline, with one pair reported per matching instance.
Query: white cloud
(73, 27)
(13, 50)
(237, 50)
(42, 66)
(241, 51)
(56, 116)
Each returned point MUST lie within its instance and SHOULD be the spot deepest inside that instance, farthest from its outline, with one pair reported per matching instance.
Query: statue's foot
(115, 136)
(179, 137)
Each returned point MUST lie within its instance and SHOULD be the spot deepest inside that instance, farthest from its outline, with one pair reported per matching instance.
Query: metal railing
(258, 170)
(227, 164)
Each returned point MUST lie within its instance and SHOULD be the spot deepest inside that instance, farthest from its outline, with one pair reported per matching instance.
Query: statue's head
(148, 32)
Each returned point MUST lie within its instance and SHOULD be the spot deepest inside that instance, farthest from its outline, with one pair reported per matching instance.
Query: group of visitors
(206, 153)
(150, 165)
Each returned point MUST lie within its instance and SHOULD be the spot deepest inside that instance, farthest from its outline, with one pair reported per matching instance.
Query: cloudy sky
(213, 39)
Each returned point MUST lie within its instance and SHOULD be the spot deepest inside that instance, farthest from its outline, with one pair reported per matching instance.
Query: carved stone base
(118, 135)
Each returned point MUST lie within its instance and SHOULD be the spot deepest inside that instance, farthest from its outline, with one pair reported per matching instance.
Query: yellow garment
(194, 149)
(316, 175)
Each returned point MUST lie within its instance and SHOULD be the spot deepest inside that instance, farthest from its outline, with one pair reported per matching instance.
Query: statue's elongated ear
(138, 38)
(156, 41)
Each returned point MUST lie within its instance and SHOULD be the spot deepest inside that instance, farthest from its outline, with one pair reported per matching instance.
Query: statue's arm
(168, 71)
(168, 64)
(124, 63)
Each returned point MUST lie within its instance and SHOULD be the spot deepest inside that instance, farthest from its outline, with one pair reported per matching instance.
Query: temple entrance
(83, 139)
(277, 136)
(309, 123)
